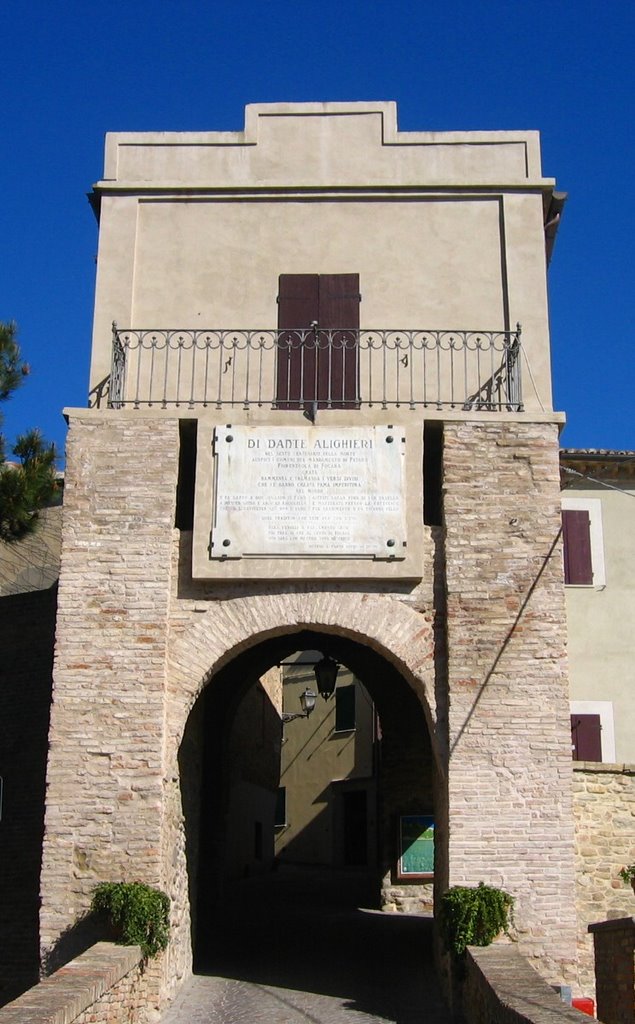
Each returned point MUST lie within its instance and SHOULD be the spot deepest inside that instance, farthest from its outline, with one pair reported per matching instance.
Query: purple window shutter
(576, 536)
(320, 365)
(298, 307)
(338, 358)
(586, 737)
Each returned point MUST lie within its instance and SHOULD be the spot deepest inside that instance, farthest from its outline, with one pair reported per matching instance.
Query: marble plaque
(309, 491)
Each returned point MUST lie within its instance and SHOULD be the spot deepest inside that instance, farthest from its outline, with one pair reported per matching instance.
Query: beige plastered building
(384, 490)
(600, 485)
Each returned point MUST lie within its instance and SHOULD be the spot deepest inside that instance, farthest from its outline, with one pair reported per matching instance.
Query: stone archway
(242, 638)
(209, 640)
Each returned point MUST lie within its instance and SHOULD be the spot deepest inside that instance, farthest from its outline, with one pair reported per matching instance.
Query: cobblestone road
(292, 956)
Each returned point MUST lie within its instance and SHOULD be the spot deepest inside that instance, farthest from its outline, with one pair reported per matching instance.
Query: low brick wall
(105, 985)
(614, 943)
(501, 987)
(604, 810)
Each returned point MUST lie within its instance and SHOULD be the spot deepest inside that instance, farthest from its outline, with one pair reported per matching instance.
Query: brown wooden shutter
(280, 818)
(586, 737)
(319, 365)
(338, 370)
(576, 536)
(298, 308)
(345, 708)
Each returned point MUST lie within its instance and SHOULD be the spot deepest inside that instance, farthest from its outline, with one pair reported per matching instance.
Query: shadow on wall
(229, 769)
(76, 939)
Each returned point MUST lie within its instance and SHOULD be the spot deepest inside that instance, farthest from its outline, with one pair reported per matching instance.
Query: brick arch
(226, 629)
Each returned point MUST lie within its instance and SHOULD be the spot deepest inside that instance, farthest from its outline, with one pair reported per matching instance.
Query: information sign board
(416, 846)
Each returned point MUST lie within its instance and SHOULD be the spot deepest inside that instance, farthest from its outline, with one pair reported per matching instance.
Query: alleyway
(293, 952)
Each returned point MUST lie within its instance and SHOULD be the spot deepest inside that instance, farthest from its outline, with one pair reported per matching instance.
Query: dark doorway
(355, 828)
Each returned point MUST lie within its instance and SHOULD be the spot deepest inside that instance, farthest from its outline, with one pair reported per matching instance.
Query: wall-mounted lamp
(307, 703)
(325, 676)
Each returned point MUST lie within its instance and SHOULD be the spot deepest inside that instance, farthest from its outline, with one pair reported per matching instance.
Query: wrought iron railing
(327, 368)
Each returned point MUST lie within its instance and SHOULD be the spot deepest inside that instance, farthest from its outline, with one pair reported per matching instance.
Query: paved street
(291, 955)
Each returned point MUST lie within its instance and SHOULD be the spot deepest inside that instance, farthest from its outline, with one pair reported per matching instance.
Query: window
(187, 475)
(586, 737)
(593, 730)
(318, 324)
(433, 473)
(583, 548)
(576, 539)
(281, 808)
(345, 708)
(257, 840)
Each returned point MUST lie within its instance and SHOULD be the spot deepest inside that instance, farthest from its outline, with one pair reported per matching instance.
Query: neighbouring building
(598, 488)
(312, 429)
(327, 800)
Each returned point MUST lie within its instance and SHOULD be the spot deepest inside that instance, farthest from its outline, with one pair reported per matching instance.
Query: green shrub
(627, 874)
(139, 913)
(473, 916)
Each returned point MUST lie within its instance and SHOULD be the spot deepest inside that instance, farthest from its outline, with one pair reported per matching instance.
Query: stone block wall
(211, 624)
(500, 987)
(509, 778)
(105, 772)
(104, 985)
(139, 640)
(604, 808)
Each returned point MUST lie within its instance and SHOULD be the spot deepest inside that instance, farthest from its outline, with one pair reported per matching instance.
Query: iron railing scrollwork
(118, 371)
(331, 368)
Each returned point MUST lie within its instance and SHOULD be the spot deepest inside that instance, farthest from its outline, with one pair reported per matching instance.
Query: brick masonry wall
(124, 1002)
(604, 808)
(27, 627)
(206, 634)
(509, 781)
(105, 773)
(127, 617)
(500, 987)
(104, 985)
(138, 641)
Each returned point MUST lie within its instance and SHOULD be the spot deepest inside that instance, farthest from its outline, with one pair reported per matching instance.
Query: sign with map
(416, 846)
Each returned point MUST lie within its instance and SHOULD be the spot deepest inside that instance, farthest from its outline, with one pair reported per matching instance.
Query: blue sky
(72, 71)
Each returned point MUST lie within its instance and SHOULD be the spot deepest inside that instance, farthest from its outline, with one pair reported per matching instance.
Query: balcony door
(318, 339)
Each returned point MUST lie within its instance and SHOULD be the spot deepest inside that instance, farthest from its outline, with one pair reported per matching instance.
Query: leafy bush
(627, 874)
(474, 916)
(140, 913)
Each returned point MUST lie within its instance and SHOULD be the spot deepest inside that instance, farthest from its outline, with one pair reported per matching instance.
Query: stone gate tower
(316, 421)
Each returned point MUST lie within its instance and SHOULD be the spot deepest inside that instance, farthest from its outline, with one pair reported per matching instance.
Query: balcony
(315, 367)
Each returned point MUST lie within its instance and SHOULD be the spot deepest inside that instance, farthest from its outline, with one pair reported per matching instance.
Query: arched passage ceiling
(387, 687)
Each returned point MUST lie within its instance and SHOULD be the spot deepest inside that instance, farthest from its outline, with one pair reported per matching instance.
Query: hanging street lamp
(325, 676)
